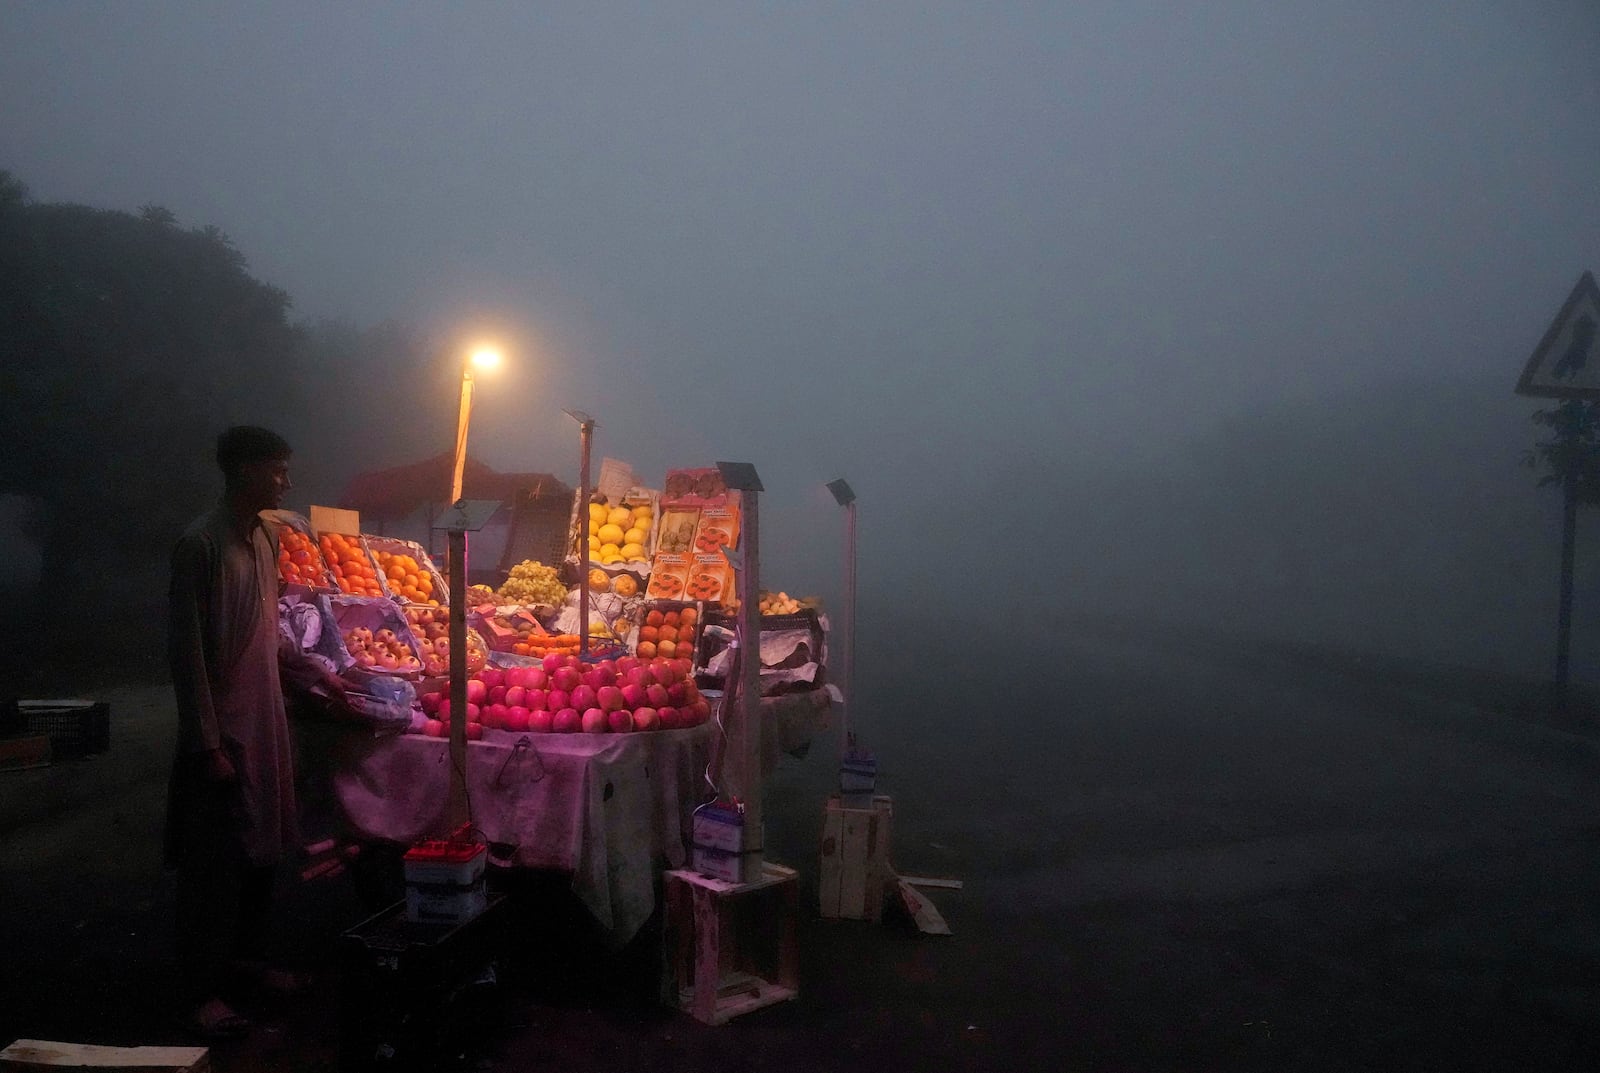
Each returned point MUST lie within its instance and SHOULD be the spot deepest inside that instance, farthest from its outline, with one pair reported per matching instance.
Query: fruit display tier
(564, 695)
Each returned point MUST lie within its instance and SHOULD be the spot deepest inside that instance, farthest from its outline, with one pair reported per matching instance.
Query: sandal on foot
(216, 1020)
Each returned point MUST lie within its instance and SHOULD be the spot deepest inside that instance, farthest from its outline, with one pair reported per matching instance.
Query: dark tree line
(126, 342)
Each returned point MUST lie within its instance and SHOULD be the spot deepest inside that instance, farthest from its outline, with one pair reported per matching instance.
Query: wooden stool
(733, 946)
(855, 871)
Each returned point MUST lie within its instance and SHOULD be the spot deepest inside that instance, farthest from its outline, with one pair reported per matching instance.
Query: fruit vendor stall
(590, 745)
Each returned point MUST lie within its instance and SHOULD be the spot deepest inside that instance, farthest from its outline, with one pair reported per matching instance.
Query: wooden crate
(40, 1055)
(733, 947)
(855, 873)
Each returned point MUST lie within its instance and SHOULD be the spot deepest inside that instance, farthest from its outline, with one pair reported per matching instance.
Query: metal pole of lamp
(586, 427)
(746, 782)
(846, 498)
(457, 811)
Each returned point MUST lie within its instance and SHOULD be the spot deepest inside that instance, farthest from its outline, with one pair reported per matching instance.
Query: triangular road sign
(1566, 364)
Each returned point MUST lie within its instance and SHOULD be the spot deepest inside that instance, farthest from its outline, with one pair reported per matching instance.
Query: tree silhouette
(126, 342)
(1573, 448)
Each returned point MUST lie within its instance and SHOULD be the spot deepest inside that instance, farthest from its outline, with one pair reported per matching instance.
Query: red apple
(474, 713)
(584, 698)
(517, 719)
(626, 664)
(535, 678)
(494, 716)
(567, 678)
(678, 694)
(700, 708)
(567, 721)
(609, 698)
(539, 720)
(607, 667)
(433, 728)
(492, 677)
(557, 699)
(553, 662)
(591, 678)
(516, 697)
(620, 721)
(646, 719)
(444, 708)
(671, 719)
(430, 702)
(657, 696)
(477, 692)
(595, 722)
(633, 696)
(572, 661)
(474, 731)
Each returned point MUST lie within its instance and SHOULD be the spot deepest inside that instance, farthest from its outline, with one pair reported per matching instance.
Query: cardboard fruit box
(380, 547)
(373, 614)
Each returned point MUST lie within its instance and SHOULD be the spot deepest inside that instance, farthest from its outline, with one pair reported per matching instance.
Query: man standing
(231, 808)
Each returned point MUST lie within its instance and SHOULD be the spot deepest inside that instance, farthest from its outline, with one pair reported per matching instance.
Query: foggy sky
(920, 245)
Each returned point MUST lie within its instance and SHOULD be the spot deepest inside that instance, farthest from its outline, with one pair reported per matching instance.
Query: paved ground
(1179, 854)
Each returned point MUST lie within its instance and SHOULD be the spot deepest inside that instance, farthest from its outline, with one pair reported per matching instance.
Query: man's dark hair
(243, 445)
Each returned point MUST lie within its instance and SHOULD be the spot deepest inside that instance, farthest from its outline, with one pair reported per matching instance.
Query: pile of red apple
(563, 695)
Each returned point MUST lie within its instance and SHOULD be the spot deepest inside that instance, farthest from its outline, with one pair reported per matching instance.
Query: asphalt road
(1179, 853)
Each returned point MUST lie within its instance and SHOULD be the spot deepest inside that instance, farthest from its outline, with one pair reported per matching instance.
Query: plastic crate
(399, 981)
(75, 727)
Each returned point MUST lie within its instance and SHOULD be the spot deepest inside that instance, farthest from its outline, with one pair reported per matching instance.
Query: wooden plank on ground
(34, 1054)
(928, 881)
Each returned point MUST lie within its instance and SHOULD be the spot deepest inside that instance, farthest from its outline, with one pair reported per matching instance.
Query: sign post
(464, 517)
(745, 743)
(586, 426)
(1566, 366)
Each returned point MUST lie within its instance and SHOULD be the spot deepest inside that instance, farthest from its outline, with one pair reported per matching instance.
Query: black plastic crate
(399, 981)
(75, 727)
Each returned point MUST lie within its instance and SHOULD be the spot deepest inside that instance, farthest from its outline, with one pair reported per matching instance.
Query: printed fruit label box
(718, 528)
(694, 488)
(677, 530)
(670, 577)
(710, 579)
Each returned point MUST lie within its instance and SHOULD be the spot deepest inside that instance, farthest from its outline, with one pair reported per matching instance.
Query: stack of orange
(541, 645)
(348, 563)
(669, 634)
(407, 578)
(299, 561)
